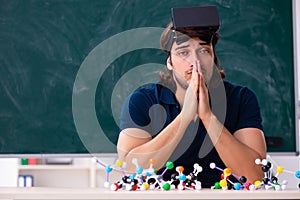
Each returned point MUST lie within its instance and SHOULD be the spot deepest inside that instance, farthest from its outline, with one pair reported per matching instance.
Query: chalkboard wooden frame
(30, 58)
(296, 39)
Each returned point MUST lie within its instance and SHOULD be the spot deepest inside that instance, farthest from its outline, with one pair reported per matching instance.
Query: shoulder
(147, 93)
(154, 93)
(241, 98)
(238, 91)
(138, 106)
(242, 107)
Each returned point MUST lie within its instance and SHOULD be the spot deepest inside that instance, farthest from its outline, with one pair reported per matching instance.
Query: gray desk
(101, 193)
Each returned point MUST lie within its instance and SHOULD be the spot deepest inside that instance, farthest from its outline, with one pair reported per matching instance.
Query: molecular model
(148, 179)
(182, 181)
(269, 181)
(225, 183)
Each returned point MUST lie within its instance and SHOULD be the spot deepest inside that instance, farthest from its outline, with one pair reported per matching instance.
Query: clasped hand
(196, 100)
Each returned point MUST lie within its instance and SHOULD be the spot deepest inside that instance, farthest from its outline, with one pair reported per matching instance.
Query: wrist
(207, 119)
(186, 119)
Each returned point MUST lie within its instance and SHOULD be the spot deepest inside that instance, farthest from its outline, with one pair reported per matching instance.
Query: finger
(195, 71)
(198, 67)
(202, 82)
(202, 85)
(197, 63)
(195, 76)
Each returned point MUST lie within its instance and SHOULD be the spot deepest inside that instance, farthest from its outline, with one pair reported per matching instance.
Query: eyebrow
(185, 46)
(182, 47)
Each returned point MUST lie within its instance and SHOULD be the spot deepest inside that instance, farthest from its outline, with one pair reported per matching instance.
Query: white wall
(8, 172)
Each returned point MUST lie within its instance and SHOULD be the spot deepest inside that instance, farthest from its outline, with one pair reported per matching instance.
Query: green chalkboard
(54, 98)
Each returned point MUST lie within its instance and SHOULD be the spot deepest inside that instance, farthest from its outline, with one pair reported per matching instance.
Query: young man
(193, 115)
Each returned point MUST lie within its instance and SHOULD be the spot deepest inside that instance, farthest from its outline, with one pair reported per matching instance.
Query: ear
(169, 65)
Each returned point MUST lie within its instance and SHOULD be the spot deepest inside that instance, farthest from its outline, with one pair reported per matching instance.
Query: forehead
(191, 42)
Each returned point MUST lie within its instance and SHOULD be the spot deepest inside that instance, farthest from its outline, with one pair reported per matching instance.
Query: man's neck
(180, 93)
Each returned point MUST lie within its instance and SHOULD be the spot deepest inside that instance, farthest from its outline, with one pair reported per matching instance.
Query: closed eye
(183, 53)
(202, 51)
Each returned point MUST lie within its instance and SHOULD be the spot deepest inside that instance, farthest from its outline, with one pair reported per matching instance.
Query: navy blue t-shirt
(153, 107)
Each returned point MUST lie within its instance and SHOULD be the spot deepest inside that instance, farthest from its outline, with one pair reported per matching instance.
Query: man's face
(184, 55)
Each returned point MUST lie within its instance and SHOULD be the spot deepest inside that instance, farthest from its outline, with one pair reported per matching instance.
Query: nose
(195, 57)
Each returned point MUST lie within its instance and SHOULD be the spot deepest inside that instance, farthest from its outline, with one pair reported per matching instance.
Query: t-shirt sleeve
(249, 112)
(135, 112)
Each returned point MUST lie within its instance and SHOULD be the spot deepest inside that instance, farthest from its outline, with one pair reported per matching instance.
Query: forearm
(235, 155)
(159, 148)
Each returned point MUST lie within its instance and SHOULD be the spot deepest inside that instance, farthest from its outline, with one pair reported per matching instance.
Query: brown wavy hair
(166, 78)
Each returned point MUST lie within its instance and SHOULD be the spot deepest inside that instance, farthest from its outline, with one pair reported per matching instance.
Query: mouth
(188, 74)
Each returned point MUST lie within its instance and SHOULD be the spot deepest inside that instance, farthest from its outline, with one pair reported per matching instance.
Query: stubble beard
(182, 82)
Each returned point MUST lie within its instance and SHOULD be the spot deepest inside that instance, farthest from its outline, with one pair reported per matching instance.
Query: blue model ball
(182, 177)
(139, 170)
(297, 174)
(237, 186)
(108, 168)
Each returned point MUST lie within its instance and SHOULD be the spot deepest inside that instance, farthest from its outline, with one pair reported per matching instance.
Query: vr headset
(197, 18)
